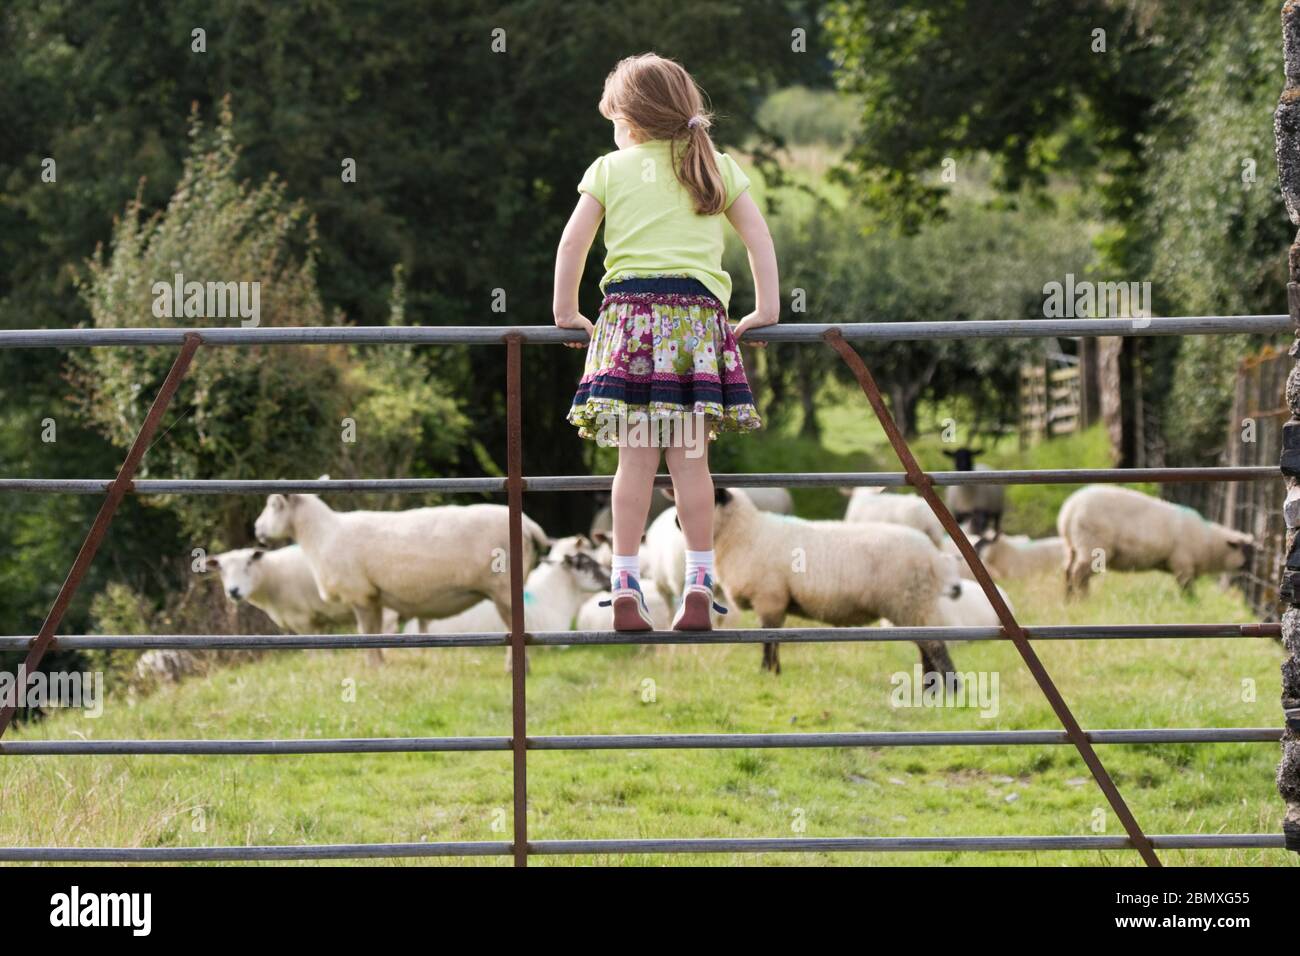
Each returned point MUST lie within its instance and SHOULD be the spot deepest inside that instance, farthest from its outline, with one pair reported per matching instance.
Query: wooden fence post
(1286, 131)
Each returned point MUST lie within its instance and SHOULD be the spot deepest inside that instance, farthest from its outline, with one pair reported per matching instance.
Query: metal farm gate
(519, 743)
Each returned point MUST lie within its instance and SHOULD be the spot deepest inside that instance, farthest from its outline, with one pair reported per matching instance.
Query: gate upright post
(518, 653)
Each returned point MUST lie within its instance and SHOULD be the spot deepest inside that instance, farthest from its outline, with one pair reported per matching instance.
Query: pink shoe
(697, 601)
(631, 613)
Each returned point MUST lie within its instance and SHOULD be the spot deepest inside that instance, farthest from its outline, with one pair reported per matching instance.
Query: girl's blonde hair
(657, 98)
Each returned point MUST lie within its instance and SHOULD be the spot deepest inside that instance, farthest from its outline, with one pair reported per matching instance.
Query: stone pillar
(1286, 130)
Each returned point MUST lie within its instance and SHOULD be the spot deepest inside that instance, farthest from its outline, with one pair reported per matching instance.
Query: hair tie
(695, 122)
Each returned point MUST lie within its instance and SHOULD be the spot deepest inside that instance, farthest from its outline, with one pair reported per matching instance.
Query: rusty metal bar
(791, 635)
(825, 479)
(389, 745)
(518, 650)
(982, 576)
(548, 334)
(95, 536)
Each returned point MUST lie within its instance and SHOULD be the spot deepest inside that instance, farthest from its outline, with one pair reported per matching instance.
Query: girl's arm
(570, 258)
(745, 217)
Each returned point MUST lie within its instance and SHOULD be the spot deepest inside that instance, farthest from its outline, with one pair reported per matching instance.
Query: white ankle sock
(696, 560)
(631, 563)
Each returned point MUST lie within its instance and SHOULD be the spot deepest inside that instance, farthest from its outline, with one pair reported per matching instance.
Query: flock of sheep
(445, 569)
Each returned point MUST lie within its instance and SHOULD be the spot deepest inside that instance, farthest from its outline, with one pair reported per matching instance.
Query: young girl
(661, 352)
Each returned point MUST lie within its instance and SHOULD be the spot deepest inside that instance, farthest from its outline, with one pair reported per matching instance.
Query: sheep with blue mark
(1120, 529)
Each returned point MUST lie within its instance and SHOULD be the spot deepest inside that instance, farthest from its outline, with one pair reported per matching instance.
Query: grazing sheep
(663, 558)
(971, 608)
(425, 562)
(1019, 556)
(482, 618)
(553, 593)
(949, 547)
(843, 574)
(978, 507)
(868, 504)
(279, 583)
(1136, 532)
(602, 525)
(776, 500)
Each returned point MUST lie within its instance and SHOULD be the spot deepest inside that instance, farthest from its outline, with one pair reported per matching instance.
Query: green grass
(159, 801)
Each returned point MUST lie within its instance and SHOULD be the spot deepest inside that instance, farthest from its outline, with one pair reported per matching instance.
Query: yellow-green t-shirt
(651, 227)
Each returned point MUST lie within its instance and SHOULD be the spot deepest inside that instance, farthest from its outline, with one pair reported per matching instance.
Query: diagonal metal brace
(922, 483)
(116, 492)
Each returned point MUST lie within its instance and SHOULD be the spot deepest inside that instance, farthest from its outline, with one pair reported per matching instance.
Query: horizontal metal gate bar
(384, 745)
(548, 334)
(352, 851)
(556, 483)
(739, 635)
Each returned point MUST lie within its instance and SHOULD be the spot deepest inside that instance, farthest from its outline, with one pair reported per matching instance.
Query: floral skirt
(662, 351)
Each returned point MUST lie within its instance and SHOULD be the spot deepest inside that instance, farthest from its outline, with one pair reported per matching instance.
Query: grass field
(170, 801)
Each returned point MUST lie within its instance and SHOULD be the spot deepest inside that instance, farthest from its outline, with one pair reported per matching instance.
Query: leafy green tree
(1215, 233)
(246, 412)
(263, 411)
(980, 264)
(1162, 128)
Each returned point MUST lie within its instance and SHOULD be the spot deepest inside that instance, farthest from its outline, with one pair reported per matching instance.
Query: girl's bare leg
(693, 488)
(630, 500)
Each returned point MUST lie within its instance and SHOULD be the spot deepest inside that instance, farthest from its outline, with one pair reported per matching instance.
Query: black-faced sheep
(976, 507)
(845, 575)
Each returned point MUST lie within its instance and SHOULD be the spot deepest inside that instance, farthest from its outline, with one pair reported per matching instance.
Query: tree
(248, 412)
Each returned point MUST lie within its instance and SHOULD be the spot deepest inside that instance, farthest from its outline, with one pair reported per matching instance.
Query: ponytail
(698, 170)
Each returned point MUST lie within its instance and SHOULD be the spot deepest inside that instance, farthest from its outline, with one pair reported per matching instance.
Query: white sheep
(971, 608)
(949, 547)
(1131, 531)
(482, 618)
(279, 583)
(842, 574)
(1020, 556)
(554, 593)
(602, 523)
(868, 504)
(663, 556)
(776, 500)
(425, 562)
(663, 560)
